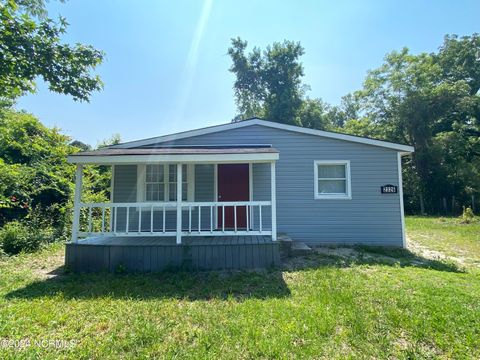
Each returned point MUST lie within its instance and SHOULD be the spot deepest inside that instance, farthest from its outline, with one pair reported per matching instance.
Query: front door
(233, 185)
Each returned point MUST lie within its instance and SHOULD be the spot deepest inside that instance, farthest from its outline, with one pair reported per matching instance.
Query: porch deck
(171, 240)
(153, 254)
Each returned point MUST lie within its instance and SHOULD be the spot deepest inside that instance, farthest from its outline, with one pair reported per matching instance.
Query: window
(158, 182)
(332, 179)
(155, 183)
(172, 183)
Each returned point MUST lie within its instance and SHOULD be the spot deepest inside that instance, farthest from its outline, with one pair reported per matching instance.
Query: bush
(16, 237)
(467, 216)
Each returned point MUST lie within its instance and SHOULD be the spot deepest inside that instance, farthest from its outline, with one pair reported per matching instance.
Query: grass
(447, 236)
(373, 303)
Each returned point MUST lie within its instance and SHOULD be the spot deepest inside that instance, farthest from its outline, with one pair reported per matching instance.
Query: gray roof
(255, 121)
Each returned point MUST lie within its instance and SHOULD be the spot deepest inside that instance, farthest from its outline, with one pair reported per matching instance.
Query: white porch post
(273, 188)
(76, 202)
(179, 203)
(112, 184)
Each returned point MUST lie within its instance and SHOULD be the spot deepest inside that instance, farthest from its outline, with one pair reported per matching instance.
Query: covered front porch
(179, 196)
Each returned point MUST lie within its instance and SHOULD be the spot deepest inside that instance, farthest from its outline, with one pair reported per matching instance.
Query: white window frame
(142, 188)
(145, 182)
(348, 185)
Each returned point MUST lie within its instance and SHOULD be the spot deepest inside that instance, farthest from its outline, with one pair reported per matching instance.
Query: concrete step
(284, 237)
(285, 244)
(300, 248)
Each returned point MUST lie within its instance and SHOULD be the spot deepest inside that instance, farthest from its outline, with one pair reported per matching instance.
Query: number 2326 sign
(388, 189)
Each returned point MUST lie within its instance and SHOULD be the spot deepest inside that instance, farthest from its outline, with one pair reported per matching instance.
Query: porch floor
(151, 253)
(171, 240)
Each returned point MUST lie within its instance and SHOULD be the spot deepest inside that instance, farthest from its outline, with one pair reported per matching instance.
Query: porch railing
(160, 218)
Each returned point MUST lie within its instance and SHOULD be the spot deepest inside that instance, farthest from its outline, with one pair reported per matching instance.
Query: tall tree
(423, 100)
(315, 114)
(268, 83)
(348, 109)
(31, 48)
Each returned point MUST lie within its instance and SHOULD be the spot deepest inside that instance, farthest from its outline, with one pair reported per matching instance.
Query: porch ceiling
(176, 155)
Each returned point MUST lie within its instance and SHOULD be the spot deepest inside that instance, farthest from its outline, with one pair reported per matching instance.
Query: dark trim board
(160, 254)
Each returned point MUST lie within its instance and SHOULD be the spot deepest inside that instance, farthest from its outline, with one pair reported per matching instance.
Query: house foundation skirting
(131, 255)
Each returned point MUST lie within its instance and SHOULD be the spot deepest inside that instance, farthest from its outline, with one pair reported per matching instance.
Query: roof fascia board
(169, 158)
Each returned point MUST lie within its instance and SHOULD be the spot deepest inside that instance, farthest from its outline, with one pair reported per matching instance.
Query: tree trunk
(422, 205)
(445, 206)
(453, 204)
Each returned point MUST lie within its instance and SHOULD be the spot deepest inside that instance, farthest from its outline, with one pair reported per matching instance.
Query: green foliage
(431, 102)
(120, 269)
(458, 58)
(36, 182)
(115, 139)
(467, 215)
(348, 109)
(362, 127)
(30, 47)
(16, 237)
(314, 114)
(268, 83)
(33, 167)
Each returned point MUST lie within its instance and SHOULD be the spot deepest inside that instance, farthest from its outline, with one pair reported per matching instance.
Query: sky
(166, 65)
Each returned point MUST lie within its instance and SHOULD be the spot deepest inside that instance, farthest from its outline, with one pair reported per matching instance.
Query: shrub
(16, 237)
(467, 216)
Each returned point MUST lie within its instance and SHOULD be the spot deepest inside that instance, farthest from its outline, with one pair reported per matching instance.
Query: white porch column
(112, 189)
(273, 198)
(179, 203)
(76, 202)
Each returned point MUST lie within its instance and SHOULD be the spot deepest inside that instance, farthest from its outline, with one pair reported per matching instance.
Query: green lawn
(373, 303)
(447, 236)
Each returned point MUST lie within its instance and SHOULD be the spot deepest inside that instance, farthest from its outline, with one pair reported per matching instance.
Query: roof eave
(173, 158)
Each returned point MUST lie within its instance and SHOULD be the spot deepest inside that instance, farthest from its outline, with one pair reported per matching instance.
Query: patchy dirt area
(415, 255)
(49, 266)
(354, 254)
(338, 251)
(427, 253)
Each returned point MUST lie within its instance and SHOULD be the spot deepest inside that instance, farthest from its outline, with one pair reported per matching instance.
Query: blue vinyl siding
(369, 217)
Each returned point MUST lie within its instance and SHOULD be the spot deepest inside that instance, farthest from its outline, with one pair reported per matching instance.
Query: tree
(268, 83)
(363, 127)
(347, 110)
(315, 114)
(30, 47)
(33, 167)
(36, 181)
(459, 59)
(427, 100)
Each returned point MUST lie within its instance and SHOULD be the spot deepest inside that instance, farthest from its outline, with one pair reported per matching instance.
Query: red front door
(233, 185)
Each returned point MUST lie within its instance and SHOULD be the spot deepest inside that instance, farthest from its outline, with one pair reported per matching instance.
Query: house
(218, 197)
